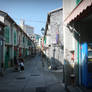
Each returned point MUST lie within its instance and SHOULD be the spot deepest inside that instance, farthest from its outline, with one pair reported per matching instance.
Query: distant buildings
(37, 39)
(28, 29)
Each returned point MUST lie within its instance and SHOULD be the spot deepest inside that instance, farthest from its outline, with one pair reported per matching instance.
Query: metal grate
(41, 89)
(34, 75)
(19, 78)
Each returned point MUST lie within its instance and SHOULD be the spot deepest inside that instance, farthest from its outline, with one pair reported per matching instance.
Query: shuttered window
(15, 37)
(6, 34)
(78, 1)
(23, 39)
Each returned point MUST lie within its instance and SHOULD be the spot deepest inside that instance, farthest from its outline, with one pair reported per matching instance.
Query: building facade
(16, 41)
(53, 38)
(77, 41)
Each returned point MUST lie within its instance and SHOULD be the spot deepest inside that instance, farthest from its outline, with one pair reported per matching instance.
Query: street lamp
(42, 31)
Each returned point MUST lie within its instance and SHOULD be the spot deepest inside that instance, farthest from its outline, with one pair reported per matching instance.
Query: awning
(83, 9)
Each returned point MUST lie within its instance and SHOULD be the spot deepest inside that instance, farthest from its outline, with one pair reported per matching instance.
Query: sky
(33, 12)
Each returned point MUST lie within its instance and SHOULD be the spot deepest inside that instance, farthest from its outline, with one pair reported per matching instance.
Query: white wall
(56, 25)
(68, 6)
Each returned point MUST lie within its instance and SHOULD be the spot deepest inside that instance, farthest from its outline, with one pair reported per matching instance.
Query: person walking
(42, 57)
(21, 64)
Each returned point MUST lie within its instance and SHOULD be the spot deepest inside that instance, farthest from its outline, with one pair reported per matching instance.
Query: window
(7, 29)
(78, 1)
(90, 53)
(15, 38)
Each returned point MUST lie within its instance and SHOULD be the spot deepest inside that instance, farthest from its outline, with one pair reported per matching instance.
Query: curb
(73, 89)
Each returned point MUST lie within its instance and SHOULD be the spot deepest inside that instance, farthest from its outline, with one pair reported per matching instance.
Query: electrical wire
(38, 21)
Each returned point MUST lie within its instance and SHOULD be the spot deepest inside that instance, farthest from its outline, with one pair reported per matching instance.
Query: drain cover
(35, 75)
(41, 89)
(21, 78)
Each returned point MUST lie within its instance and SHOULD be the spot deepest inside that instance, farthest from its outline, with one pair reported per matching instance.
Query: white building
(27, 28)
(53, 38)
(37, 39)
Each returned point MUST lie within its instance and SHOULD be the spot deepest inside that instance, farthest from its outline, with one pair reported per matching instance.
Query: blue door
(84, 64)
(89, 65)
(86, 53)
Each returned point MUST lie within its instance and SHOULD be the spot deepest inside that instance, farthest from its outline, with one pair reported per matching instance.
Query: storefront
(79, 22)
(1, 46)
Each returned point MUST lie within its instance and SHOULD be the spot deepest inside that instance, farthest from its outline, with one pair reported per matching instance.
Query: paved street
(35, 78)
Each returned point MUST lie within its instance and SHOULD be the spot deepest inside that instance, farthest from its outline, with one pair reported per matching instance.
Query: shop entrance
(84, 28)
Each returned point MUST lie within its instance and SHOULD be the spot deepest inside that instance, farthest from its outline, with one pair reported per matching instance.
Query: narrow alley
(45, 46)
(35, 78)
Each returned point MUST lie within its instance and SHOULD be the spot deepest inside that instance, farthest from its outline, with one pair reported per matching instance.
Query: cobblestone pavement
(35, 78)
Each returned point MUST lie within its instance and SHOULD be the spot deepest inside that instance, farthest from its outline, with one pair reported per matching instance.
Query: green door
(15, 53)
(7, 52)
(78, 52)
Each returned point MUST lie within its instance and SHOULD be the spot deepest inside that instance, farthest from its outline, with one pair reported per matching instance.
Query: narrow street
(35, 78)
(45, 46)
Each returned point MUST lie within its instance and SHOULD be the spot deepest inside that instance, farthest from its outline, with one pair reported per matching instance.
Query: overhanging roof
(56, 10)
(2, 24)
(82, 10)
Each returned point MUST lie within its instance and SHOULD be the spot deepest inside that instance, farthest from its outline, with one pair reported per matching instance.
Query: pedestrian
(42, 56)
(21, 64)
(15, 63)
